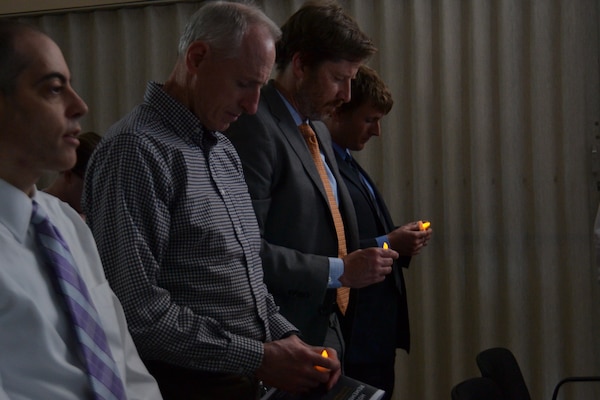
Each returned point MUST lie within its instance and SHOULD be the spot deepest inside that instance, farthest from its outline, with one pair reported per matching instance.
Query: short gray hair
(223, 24)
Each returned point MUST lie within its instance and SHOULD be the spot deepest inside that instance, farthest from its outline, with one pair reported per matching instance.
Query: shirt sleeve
(280, 327)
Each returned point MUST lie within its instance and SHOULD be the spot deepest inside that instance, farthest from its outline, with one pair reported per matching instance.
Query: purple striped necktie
(102, 370)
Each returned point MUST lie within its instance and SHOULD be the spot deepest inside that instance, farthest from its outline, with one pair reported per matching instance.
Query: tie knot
(307, 131)
(37, 214)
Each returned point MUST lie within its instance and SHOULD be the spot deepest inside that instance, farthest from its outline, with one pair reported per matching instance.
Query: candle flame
(424, 225)
(318, 367)
(385, 245)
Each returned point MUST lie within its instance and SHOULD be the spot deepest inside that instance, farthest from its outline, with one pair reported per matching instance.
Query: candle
(424, 225)
(318, 367)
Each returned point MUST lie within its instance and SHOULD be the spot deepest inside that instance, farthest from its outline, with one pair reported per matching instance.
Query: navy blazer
(377, 319)
(293, 212)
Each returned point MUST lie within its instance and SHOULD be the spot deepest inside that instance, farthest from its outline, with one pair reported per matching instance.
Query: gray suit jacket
(293, 213)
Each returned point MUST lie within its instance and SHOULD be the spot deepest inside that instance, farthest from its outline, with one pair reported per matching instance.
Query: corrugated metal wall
(496, 114)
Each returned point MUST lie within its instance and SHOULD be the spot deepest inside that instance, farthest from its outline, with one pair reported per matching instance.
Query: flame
(318, 367)
(424, 225)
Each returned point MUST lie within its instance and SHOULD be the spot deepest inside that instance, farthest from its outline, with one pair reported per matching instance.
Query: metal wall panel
(496, 113)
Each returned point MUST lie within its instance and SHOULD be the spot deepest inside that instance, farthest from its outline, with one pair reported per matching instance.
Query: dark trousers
(177, 383)
(380, 375)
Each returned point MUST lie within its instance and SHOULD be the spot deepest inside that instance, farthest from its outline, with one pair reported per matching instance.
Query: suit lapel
(350, 175)
(291, 133)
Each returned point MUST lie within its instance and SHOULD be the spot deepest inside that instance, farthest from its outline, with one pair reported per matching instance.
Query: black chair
(500, 365)
(479, 388)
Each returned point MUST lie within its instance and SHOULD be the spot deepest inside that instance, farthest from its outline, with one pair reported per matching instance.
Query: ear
(298, 66)
(196, 53)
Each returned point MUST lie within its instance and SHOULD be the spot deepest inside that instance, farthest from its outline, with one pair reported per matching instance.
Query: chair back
(479, 388)
(500, 365)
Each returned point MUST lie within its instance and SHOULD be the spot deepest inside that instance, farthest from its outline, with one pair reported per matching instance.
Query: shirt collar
(15, 212)
(186, 124)
(295, 115)
(344, 153)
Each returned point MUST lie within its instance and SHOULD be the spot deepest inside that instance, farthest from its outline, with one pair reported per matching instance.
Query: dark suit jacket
(293, 213)
(377, 319)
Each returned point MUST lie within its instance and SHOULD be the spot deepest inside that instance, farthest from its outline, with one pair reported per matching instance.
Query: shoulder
(252, 130)
(58, 211)
(78, 237)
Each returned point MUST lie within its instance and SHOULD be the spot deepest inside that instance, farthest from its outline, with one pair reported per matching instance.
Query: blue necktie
(102, 370)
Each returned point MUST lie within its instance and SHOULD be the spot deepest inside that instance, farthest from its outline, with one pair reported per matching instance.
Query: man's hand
(367, 266)
(289, 364)
(408, 240)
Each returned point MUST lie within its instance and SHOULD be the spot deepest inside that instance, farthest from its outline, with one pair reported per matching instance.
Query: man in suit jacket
(319, 53)
(377, 319)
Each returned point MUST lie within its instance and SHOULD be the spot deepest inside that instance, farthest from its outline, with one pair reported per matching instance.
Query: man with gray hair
(166, 198)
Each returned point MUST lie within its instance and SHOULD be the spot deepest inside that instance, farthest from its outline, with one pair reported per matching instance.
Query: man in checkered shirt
(166, 200)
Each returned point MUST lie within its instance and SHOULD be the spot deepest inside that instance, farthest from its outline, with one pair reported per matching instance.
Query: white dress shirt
(39, 351)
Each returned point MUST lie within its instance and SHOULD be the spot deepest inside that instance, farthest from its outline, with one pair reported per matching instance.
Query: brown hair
(322, 31)
(368, 87)
(87, 144)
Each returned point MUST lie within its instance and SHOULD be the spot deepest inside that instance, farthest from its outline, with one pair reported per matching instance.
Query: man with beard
(305, 213)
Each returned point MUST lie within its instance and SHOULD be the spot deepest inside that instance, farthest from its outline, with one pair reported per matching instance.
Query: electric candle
(424, 225)
(318, 367)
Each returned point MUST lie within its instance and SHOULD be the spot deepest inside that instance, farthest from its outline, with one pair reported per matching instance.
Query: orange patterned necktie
(343, 293)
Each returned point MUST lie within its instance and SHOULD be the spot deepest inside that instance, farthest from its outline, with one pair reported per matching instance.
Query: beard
(312, 104)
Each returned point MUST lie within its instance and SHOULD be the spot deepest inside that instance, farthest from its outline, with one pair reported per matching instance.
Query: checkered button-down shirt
(174, 224)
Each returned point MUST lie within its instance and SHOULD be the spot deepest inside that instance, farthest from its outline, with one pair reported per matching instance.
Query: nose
(249, 102)
(344, 92)
(376, 129)
(77, 107)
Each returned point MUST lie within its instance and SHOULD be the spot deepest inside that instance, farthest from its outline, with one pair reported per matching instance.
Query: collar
(342, 152)
(186, 123)
(15, 212)
(293, 112)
